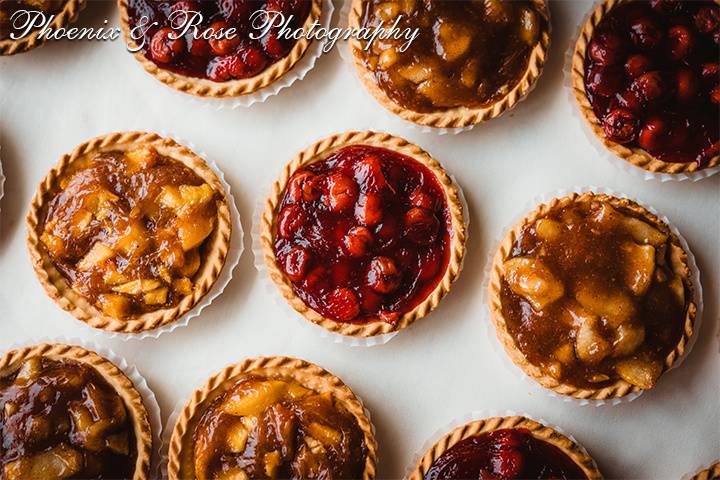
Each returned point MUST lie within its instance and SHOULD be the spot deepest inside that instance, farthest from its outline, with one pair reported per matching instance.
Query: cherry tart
(63, 12)
(363, 233)
(222, 56)
(505, 448)
(129, 231)
(645, 75)
(66, 412)
(274, 417)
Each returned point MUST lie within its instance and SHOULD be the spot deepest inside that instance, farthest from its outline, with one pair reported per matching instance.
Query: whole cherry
(180, 11)
(274, 47)
(296, 263)
(621, 125)
(358, 241)
(637, 64)
(686, 85)
(342, 192)
(645, 33)
(389, 317)
(421, 226)
(224, 39)
(342, 304)
(317, 279)
(164, 47)
(253, 60)
(223, 68)
(198, 47)
(607, 48)
(508, 463)
(707, 19)
(383, 275)
(667, 6)
(303, 185)
(650, 86)
(710, 71)
(715, 94)
(604, 81)
(680, 41)
(290, 219)
(368, 210)
(235, 11)
(652, 133)
(628, 100)
(369, 174)
(421, 198)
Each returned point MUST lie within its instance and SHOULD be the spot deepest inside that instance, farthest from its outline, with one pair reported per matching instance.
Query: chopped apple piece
(548, 229)
(452, 40)
(639, 372)
(112, 277)
(325, 434)
(439, 91)
(237, 436)
(529, 26)
(613, 305)
(29, 369)
(192, 263)
(97, 254)
(415, 72)
(639, 264)
(194, 231)
(387, 11)
(272, 462)
(136, 287)
(142, 157)
(170, 197)
(118, 443)
(643, 232)
(533, 280)
(82, 219)
(112, 305)
(605, 215)
(195, 196)
(388, 58)
(408, 6)
(497, 11)
(252, 398)
(315, 447)
(9, 409)
(577, 313)
(164, 273)
(469, 73)
(133, 238)
(235, 473)
(59, 462)
(629, 336)
(54, 244)
(678, 288)
(297, 391)
(157, 296)
(555, 369)
(590, 345)
(183, 286)
(565, 353)
(598, 377)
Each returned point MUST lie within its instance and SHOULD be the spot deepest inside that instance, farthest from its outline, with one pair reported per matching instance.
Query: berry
(650, 86)
(341, 194)
(223, 68)
(342, 304)
(621, 125)
(637, 64)
(383, 275)
(645, 33)
(707, 19)
(223, 41)
(186, 6)
(165, 49)
(274, 47)
(368, 210)
(680, 42)
(607, 48)
(686, 85)
(198, 47)
(290, 219)
(666, 6)
(628, 100)
(604, 81)
(388, 316)
(508, 464)
(358, 241)
(296, 262)
(303, 186)
(652, 133)
(369, 174)
(710, 71)
(715, 94)
(421, 226)
(253, 60)
(235, 11)
(421, 198)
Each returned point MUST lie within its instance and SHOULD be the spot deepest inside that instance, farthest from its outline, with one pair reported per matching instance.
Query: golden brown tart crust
(63, 18)
(620, 387)
(633, 155)
(460, 116)
(308, 375)
(710, 473)
(487, 425)
(112, 375)
(323, 149)
(57, 287)
(232, 88)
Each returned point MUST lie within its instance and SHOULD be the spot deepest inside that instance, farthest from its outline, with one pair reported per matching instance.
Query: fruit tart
(591, 295)
(63, 12)
(505, 448)
(222, 56)
(645, 75)
(710, 473)
(274, 417)
(470, 62)
(363, 233)
(66, 412)
(129, 231)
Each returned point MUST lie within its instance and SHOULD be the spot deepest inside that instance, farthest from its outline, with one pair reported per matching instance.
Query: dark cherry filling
(363, 234)
(235, 56)
(651, 76)
(503, 455)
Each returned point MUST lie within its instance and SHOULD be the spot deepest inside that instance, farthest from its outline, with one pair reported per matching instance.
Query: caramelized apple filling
(593, 293)
(467, 54)
(8, 8)
(60, 419)
(127, 230)
(276, 428)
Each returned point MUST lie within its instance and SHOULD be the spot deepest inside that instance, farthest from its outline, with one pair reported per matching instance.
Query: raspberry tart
(591, 295)
(645, 75)
(66, 412)
(449, 77)
(63, 12)
(363, 233)
(129, 231)
(274, 417)
(219, 58)
(505, 448)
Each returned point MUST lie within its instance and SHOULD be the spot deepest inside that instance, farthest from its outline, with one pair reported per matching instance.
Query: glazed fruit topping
(363, 234)
(60, 419)
(651, 77)
(127, 230)
(449, 64)
(276, 428)
(221, 48)
(505, 454)
(594, 294)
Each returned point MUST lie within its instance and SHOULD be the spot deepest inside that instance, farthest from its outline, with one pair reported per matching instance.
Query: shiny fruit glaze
(651, 76)
(234, 56)
(503, 455)
(364, 234)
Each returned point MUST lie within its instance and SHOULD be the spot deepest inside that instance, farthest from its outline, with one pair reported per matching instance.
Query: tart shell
(203, 87)
(111, 374)
(619, 388)
(710, 473)
(477, 427)
(63, 18)
(457, 117)
(633, 155)
(55, 284)
(180, 455)
(323, 149)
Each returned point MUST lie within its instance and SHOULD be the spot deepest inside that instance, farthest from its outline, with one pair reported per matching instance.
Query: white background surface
(60, 95)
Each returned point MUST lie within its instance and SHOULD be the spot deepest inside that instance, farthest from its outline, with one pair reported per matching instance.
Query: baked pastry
(505, 448)
(224, 60)
(129, 231)
(645, 75)
(274, 417)
(591, 296)
(66, 412)
(363, 233)
(710, 473)
(63, 12)
(470, 62)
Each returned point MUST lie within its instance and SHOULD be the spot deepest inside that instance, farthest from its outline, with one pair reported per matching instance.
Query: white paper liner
(306, 324)
(297, 72)
(131, 371)
(492, 334)
(164, 450)
(343, 48)
(601, 149)
(472, 417)
(235, 251)
(690, 476)
(2, 181)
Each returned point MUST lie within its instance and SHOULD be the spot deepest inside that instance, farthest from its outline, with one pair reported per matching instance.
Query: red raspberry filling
(651, 76)
(363, 234)
(504, 455)
(218, 59)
